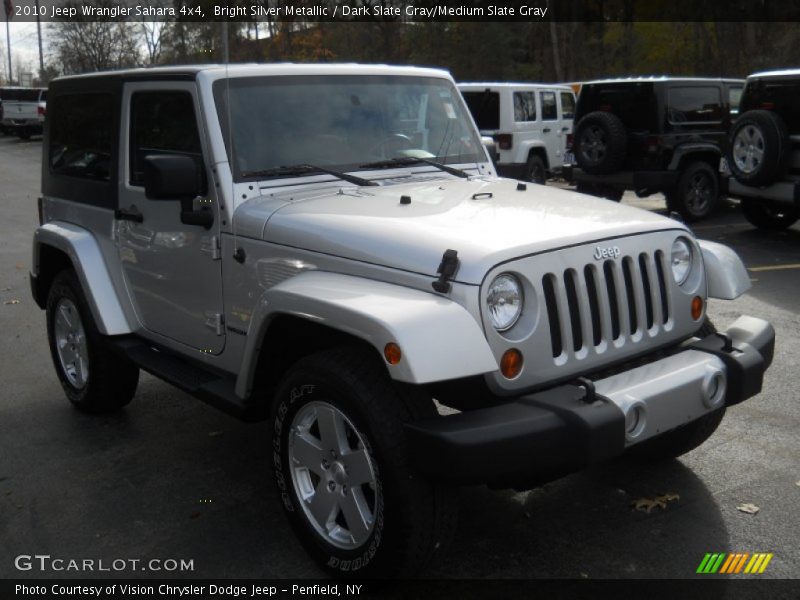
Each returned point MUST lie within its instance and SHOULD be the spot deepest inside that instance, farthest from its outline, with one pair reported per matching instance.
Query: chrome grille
(601, 304)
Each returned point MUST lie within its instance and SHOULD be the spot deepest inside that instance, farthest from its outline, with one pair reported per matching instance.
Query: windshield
(341, 122)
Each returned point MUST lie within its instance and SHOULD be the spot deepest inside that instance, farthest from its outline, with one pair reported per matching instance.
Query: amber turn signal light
(392, 353)
(697, 308)
(511, 363)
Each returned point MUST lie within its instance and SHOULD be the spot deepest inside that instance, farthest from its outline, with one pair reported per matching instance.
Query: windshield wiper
(288, 171)
(413, 160)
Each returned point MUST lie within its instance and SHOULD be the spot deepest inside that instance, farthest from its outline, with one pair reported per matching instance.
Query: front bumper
(540, 437)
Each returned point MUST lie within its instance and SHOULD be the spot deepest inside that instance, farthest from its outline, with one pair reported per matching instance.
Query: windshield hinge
(216, 248)
(447, 268)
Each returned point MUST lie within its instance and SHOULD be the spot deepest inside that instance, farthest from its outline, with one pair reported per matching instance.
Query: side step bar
(214, 388)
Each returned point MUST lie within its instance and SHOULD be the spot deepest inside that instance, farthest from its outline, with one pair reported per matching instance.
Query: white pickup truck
(24, 110)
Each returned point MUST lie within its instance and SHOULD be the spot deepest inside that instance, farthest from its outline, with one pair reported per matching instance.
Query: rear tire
(769, 217)
(697, 194)
(601, 143)
(759, 147)
(403, 521)
(535, 170)
(94, 377)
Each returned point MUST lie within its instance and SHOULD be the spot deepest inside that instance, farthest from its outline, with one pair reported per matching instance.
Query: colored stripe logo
(734, 563)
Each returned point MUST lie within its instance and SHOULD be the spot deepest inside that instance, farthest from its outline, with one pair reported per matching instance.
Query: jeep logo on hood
(610, 252)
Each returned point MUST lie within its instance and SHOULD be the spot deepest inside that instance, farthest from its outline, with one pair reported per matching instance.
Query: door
(551, 134)
(172, 269)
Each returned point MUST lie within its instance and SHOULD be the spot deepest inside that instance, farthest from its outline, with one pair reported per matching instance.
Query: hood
(488, 221)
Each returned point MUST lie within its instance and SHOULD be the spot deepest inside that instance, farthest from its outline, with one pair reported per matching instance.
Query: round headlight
(504, 301)
(681, 260)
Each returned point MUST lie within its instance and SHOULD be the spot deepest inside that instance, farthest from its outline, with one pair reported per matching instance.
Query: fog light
(392, 353)
(714, 387)
(511, 363)
(635, 421)
(697, 308)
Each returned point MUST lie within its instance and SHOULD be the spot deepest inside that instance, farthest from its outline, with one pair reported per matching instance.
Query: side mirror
(172, 177)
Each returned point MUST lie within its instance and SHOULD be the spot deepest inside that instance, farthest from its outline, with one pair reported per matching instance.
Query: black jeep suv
(654, 135)
(763, 152)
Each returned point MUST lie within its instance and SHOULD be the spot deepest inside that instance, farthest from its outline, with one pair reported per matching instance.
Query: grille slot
(574, 308)
(591, 306)
(548, 284)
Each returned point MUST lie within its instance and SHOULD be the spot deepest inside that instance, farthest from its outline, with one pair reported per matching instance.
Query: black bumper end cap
(746, 348)
(522, 443)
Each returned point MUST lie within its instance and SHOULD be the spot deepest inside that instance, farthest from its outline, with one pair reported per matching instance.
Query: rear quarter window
(634, 103)
(524, 106)
(81, 135)
(694, 104)
(567, 105)
(778, 95)
(485, 108)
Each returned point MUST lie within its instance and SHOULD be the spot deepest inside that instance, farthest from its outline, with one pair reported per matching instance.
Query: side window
(161, 123)
(734, 98)
(549, 109)
(524, 106)
(567, 105)
(694, 105)
(81, 134)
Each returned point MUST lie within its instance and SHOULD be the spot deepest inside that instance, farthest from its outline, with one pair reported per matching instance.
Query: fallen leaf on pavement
(797, 483)
(12, 301)
(7, 289)
(648, 504)
(748, 508)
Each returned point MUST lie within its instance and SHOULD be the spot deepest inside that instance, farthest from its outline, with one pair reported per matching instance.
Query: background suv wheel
(758, 148)
(697, 193)
(600, 143)
(766, 216)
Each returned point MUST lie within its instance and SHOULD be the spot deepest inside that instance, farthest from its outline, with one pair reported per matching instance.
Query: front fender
(725, 273)
(439, 339)
(87, 259)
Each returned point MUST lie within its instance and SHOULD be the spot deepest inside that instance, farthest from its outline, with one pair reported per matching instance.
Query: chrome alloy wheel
(748, 148)
(593, 144)
(70, 337)
(333, 475)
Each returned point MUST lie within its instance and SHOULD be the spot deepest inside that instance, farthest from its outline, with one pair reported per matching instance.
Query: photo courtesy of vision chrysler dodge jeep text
(334, 275)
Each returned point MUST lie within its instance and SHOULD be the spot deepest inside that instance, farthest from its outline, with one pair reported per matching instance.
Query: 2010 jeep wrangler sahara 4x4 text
(328, 247)
(654, 135)
(763, 155)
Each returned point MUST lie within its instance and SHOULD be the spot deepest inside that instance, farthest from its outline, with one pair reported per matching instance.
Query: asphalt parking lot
(170, 477)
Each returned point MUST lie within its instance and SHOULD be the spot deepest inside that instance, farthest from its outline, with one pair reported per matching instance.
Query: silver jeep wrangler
(329, 248)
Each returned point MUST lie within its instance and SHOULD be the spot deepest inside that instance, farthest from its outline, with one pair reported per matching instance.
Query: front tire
(768, 217)
(341, 469)
(94, 377)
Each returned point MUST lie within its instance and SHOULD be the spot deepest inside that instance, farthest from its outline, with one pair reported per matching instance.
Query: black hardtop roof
(664, 79)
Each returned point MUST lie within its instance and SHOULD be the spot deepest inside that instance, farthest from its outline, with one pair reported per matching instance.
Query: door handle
(546, 130)
(565, 129)
(131, 214)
